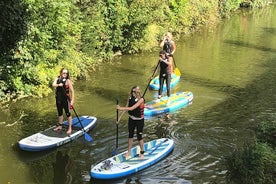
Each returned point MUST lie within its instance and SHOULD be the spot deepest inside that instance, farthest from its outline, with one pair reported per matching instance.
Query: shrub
(253, 164)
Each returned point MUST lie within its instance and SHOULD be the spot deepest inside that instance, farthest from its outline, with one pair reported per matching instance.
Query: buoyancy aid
(62, 92)
(137, 112)
(168, 46)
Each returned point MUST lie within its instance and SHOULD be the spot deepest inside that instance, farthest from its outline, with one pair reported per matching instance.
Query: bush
(266, 131)
(253, 164)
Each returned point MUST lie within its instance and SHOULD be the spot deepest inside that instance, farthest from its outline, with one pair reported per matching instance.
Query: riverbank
(80, 36)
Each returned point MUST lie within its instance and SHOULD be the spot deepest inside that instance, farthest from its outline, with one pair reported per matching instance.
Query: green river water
(230, 70)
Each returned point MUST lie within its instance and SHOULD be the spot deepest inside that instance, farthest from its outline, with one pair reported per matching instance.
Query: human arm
(163, 41)
(126, 108)
(123, 112)
(71, 88)
(166, 61)
(173, 48)
(55, 84)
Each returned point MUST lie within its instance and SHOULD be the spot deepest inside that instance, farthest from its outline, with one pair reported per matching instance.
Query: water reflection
(163, 126)
(62, 167)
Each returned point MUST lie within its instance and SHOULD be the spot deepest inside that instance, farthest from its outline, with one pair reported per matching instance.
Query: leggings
(166, 77)
(63, 104)
(139, 125)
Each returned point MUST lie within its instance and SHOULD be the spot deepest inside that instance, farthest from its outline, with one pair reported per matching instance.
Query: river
(231, 71)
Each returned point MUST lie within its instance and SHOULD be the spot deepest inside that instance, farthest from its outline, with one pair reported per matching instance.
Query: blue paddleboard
(49, 138)
(120, 166)
(154, 84)
(177, 101)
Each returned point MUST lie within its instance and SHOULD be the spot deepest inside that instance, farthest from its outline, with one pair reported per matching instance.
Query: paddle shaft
(117, 126)
(151, 78)
(78, 118)
(115, 151)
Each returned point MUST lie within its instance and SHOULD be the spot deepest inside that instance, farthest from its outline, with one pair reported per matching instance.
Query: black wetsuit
(62, 98)
(136, 119)
(167, 47)
(165, 74)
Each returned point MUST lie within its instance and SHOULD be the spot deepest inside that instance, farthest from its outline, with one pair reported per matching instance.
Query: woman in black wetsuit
(64, 101)
(165, 71)
(135, 108)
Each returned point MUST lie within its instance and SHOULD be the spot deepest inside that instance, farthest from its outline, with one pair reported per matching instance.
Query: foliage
(228, 6)
(253, 164)
(38, 37)
(266, 131)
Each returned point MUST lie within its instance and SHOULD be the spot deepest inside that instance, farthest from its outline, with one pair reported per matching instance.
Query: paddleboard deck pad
(177, 101)
(49, 138)
(120, 166)
(154, 84)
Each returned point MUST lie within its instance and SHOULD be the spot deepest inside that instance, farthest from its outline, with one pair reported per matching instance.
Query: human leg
(168, 83)
(69, 131)
(131, 128)
(129, 146)
(69, 117)
(60, 116)
(161, 83)
(140, 127)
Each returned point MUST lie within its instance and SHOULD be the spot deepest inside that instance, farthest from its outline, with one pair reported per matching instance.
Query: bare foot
(58, 128)
(127, 154)
(69, 131)
(141, 156)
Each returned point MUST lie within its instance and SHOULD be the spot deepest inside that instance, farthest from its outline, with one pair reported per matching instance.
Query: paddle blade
(115, 152)
(87, 137)
(177, 72)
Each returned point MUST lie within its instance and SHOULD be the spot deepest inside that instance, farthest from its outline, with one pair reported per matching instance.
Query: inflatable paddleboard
(154, 84)
(119, 166)
(177, 100)
(50, 139)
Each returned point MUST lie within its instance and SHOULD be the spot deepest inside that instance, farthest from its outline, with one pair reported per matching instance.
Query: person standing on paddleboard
(165, 72)
(168, 46)
(135, 107)
(63, 87)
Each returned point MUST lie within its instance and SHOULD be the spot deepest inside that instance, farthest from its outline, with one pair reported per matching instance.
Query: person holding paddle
(63, 87)
(165, 72)
(135, 107)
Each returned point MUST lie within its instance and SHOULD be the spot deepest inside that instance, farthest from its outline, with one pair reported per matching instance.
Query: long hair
(135, 92)
(61, 71)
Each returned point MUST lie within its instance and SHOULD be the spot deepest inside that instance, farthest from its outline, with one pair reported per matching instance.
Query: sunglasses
(65, 73)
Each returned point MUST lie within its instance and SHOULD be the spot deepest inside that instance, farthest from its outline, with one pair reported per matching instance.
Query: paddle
(115, 152)
(151, 79)
(86, 135)
(176, 70)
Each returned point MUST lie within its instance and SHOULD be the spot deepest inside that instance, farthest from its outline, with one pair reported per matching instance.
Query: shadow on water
(255, 98)
(211, 83)
(249, 45)
(270, 30)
